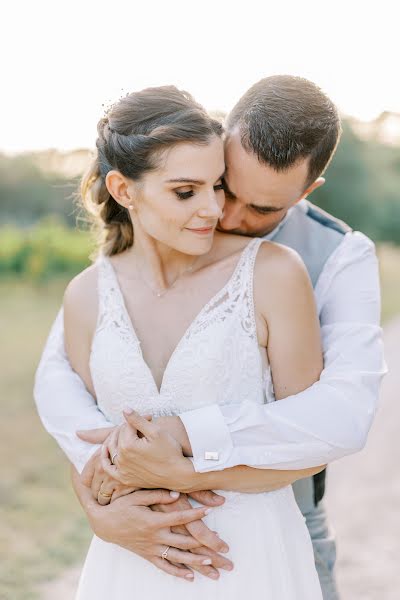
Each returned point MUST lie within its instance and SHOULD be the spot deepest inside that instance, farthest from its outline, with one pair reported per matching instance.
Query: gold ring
(165, 553)
(105, 495)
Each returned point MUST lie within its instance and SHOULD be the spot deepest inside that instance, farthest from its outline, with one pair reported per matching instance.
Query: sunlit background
(63, 60)
(63, 63)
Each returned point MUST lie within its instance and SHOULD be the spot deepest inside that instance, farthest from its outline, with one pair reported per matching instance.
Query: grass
(42, 527)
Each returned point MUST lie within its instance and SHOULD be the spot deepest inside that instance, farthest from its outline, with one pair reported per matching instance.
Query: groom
(280, 138)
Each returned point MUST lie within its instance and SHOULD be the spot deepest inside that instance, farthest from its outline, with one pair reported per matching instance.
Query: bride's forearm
(245, 479)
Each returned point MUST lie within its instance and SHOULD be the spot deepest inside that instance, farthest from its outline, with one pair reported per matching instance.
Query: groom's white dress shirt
(325, 422)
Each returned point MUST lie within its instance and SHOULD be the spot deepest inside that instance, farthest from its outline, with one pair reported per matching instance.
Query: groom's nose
(232, 217)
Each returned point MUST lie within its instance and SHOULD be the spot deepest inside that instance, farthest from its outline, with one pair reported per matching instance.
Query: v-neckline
(197, 317)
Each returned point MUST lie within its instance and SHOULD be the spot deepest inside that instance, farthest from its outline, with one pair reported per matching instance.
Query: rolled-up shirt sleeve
(64, 404)
(332, 418)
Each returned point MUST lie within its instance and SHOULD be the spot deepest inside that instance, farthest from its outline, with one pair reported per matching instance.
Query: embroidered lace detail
(217, 360)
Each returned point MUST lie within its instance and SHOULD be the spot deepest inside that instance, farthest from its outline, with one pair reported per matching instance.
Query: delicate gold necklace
(161, 293)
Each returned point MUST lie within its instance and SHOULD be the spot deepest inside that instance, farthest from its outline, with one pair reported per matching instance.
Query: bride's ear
(121, 189)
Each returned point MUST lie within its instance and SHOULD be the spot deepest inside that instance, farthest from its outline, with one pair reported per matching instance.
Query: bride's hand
(105, 488)
(209, 544)
(144, 455)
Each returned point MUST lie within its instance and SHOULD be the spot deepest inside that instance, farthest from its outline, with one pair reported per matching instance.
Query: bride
(174, 315)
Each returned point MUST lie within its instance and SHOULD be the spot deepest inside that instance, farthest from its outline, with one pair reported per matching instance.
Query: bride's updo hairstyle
(131, 139)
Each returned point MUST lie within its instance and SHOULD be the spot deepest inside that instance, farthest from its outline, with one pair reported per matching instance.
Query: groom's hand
(131, 524)
(146, 456)
(104, 488)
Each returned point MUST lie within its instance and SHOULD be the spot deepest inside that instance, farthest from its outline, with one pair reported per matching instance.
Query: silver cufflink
(211, 455)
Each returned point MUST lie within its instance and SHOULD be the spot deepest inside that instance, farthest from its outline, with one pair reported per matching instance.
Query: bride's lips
(202, 230)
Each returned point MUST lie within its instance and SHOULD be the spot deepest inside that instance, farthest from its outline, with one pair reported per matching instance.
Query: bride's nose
(212, 206)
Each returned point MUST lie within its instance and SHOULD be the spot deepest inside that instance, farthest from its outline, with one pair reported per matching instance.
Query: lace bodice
(217, 360)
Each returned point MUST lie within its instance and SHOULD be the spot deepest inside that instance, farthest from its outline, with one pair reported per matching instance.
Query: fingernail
(207, 511)
(214, 575)
(174, 494)
(128, 410)
(225, 549)
(207, 561)
(189, 576)
(228, 568)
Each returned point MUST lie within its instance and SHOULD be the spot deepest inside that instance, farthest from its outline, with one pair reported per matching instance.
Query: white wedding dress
(218, 360)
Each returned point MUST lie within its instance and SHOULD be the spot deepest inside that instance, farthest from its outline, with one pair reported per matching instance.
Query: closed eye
(264, 210)
(186, 195)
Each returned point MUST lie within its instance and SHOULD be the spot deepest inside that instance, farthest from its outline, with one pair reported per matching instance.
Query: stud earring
(130, 206)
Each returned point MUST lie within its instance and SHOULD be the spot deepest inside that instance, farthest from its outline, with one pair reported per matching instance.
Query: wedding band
(113, 458)
(105, 495)
(165, 553)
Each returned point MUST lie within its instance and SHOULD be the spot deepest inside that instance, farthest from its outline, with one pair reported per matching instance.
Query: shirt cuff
(209, 437)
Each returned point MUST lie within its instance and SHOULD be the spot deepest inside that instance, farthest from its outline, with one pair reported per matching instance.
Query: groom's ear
(315, 185)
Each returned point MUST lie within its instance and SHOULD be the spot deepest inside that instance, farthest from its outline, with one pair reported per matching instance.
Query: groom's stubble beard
(254, 232)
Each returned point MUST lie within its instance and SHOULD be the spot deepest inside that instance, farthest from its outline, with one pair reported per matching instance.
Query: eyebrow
(190, 180)
(264, 209)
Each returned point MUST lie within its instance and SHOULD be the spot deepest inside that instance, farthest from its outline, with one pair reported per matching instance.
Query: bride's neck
(160, 263)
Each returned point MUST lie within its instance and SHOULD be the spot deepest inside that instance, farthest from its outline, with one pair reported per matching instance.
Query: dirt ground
(363, 502)
(364, 498)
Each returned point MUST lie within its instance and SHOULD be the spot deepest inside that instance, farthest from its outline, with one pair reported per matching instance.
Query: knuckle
(123, 478)
(123, 448)
(217, 544)
(162, 495)
(187, 545)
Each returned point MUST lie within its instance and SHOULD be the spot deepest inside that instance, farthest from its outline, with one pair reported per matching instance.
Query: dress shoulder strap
(247, 288)
(110, 299)
(246, 270)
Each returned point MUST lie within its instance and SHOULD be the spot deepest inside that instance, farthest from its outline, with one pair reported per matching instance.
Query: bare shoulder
(80, 299)
(279, 261)
(279, 275)
(228, 244)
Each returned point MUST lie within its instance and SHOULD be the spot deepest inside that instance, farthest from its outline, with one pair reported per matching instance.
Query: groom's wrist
(174, 426)
(187, 480)
(184, 478)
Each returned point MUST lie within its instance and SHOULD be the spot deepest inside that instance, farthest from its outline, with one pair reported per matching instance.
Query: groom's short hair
(283, 119)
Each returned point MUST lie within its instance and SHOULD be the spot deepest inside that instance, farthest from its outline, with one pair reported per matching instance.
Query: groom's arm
(63, 402)
(333, 417)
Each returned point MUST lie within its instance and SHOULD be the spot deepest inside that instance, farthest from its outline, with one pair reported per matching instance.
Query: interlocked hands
(144, 455)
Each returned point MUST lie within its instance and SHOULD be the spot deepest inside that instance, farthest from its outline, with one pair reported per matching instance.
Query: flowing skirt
(269, 545)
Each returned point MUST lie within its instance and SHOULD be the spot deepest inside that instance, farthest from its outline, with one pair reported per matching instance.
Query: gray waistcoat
(314, 234)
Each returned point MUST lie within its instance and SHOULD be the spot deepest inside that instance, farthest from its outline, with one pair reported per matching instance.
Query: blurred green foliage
(38, 209)
(362, 187)
(30, 189)
(46, 249)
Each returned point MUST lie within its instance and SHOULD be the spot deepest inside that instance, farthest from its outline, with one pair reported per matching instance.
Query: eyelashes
(190, 194)
(184, 195)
